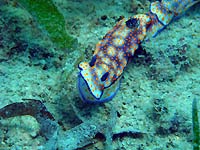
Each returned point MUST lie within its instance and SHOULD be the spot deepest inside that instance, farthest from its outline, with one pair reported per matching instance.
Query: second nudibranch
(98, 80)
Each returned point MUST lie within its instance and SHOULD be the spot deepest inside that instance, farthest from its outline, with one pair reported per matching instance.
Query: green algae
(50, 19)
(195, 121)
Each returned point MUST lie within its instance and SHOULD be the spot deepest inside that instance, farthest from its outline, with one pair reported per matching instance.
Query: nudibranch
(99, 80)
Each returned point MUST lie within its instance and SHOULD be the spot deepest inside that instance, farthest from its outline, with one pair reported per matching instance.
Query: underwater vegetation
(195, 121)
(50, 19)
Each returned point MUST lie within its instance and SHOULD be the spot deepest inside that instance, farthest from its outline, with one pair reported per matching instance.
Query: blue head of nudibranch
(94, 83)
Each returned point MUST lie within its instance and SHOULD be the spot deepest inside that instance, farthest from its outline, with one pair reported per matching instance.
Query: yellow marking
(118, 72)
(100, 54)
(121, 55)
(118, 41)
(99, 72)
(105, 67)
(111, 51)
(106, 60)
(121, 32)
(141, 36)
(107, 82)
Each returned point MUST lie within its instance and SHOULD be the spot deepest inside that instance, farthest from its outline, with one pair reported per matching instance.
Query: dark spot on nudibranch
(92, 62)
(105, 76)
(132, 22)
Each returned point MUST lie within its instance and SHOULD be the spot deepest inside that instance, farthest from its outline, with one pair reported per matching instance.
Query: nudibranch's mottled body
(98, 81)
